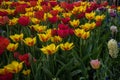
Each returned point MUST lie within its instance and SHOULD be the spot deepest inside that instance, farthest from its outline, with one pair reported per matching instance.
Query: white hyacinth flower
(113, 48)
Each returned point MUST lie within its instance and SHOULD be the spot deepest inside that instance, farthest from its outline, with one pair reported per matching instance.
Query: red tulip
(21, 9)
(53, 20)
(54, 12)
(65, 20)
(53, 3)
(39, 14)
(54, 32)
(98, 23)
(33, 3)
(81, 15)
(4, 20)
(62, 26)
(63, 33)
(3, 13)
(24, 58)
(24, 20)
(7, 76)
(3, 44)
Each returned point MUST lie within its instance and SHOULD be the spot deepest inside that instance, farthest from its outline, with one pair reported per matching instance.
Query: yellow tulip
(26, 72)
(78, 32)
(90, 16)
(49, 49)
(49, 15)
(29, 9)
(56, 39)
(66, 46)
(99, 17)
(86, 26)
(58, 8)
(75, 23)
(30, 41)
(14, 67)
(10, 11)
(17, 37)
(66, 14)
(82, 9)
(13, 21)
(85, 35)
(39, 28)
(12, 47)
(35, 20)
(30, 14)
(75, 10)
(93, 24)
(3, 71)
(44, 37)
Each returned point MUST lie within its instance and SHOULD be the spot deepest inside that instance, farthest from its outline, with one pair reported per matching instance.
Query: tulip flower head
(30, 41)
(14, 67)
(12, 47)
(49, 49)
(66, 46)
(17, 37)
(75, 23)
(95, 64)
(26, 72)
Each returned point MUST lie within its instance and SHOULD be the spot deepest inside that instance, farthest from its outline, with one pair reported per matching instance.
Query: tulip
(66, 46)
(62, 26)
(7, 76)
(12, 47)
(39, 14)
(58, 8)
(65, 20)
(44, 37)
(90, 16)
(53, 19)
(99, 17)
(24, 20)
(13, 21)
(4, 20)
(85, 35)
(30, 41)
(24, 58)
(35, 20)
(75, 23)
(17, 37)
(49, 49)
(14, 67)
(39, 28)
(95, 64)
(56, 39)
(26, 72)
(63, 33)
(78, 32)
(4, 42)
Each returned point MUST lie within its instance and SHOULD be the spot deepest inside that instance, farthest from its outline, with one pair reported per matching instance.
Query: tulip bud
(113, 48)
(95, 64)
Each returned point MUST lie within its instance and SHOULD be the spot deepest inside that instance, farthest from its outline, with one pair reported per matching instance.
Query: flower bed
(50, 40)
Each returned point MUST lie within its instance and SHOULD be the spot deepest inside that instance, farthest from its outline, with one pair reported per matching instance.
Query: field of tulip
(53, 40)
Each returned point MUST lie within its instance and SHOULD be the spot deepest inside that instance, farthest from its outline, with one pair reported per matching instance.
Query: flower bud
(113, 29)
(95, 64)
